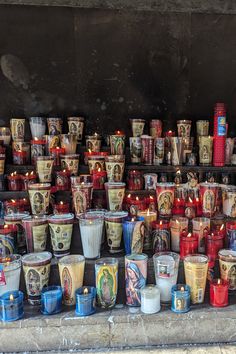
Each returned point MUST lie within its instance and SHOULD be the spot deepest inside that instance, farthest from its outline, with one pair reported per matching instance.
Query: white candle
(91, 235)
(177, 225)
(150, 299)
(10, 274)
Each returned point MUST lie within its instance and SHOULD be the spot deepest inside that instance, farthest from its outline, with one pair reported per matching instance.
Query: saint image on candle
(134, 282)
(165, 203)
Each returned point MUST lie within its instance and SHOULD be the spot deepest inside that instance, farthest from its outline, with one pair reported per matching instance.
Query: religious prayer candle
(137, 126)
(135, 149)
(19, 157)
(165, 198)
(147, 154)
(113, 223)
(106, 273)
(5, 135)
(14, 182)
(166, 265)
(115, 192)
(219, 293)
(11, 304)
(56, 154)
(214, 243)
(177, 150)
(76, 126)
(71, 269)
(135, 180)
(28, 178)
(36, 232)
(93, 142)
(99, 178)
(229, 201)
(227, 260)
(10, 268)
(188, 244)
(8, 240)
(202, 127)
(69, 143)
(180, 299)
(133, 234)
(117, 143)
(17, 129)
(55, 125)
(44, 168)
(39, 195)
(150, 299)
(37, 149)
(61, 208)
(85, 301)
(115, 165)
(150, 180)
(62, 180)
(17, 219)
(177, 226)
(70, 163)
(51, 300)
(82, 197)
(208, 197)
(205, 150)
(149, 217)
(231, 234)
(37, 126)
(160, 236)
(201, 228)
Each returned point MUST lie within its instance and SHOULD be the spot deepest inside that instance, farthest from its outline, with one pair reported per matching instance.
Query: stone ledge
(195, 6)
(117, 328)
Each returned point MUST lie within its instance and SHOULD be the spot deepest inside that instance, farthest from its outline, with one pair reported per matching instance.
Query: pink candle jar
(99, 179)
(39, 195)
(147, 143)
(208, 197)
(156, 128)
(36, 231)
(82, 197)
(115, 192)
(61, 228)
(70, 163)
(165, 198)
(62, 180)
(14, 182)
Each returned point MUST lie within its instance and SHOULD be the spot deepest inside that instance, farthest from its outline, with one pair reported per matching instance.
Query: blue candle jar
(11, 306)
(85, 301)
(180, 298)
(51, 300)
(133, 234)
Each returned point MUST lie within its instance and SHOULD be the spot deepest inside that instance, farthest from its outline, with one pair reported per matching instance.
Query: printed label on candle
(221, 126)
(208, 204)
(18, 129)
(66, 281)
(2, 164)
(54, 126)
(96, 164)
(137, 128)
(76, 127)
(93, 145)
(2, 276)
(229, 204)
(115, 171)
(70, 164)
(117, 144)
(165, 202)
(200, 295)
(164, 271)
(39, 201)
(80, 201)
(61, 236)
(106, 284)
(7, 245)
(36, 278)
(196, 274)
(44, 169)
(228, 272)
(21, 241)
(161, 240)
(135, 279)
(115, 197)
(40, 233)
(114, 234)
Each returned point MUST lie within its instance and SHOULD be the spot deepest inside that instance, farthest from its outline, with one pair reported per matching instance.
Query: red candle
(61, 208)
(219, 293)
(135, 204)
(56, 153)
(190, 209)
(151, 203)
(161, 236)
(27, 179)
(93, 153)
(19, 157)
(99, 178)
(188, 244)
(62, 180)
(11, 206)
(24, 205)
(170, 133)
(119, 132)
(214, 243)
(198, 207)
(135, 180)
(14, 182)
(178, 208)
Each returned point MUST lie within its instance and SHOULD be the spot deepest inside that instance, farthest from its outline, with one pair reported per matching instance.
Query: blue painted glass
(51, 300)
(11, 306)
(133, 234)
(85, 301)
(180, 298)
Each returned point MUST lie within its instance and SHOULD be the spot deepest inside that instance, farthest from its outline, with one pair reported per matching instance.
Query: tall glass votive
(117, 144)
(36, 231)
(195, 269)
(115, 192)
(113, 223)
(229, 201)
(135, 277)
(188, 244)
(205, 150)
(17, 219)
(11, 306)
(160, 236)
(71, 269)
(51, 142)
(180, 300)
(177, 226)
(165, 198)
(37, 126)
(76, 126)
(61, 228)
(201, 228)
(44, 168)
(202, 127)
(137, 126)
(8, 240)
(227, 260)
(231, 234)
(133, 234)
(36, 268)
(39, 195)
(135, 149)
(208, 197)
(91, 230)
(85, 301)
(184, 128)
(70, 163)
(149, 218)
(69, 143)
(177, 150)
(10, 268)
(51, 300)
(115, 165)
(54, 125)
(106, 273)
(166, 265)
(17, 129)
(93, 143)
(82, 197)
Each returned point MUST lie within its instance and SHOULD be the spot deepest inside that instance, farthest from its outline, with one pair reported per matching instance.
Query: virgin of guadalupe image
(73, 128)
(67, 284)
(33, 280)
(38, 202)
(134, 282)
(160, 241)
(205, 152)
(20, 130)
(209, 200)
(165, 203)
(232, 276)
(116, 173)
(180, 304)
(105, 288)
(138, 238)
(80, 203)
(119, 146)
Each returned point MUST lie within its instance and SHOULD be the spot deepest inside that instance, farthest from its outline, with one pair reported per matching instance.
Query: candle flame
(64, 171)
(129, 196)
(177, 221)
(178, 172)
(170, 131)
(148, 212)
(32, 172)
(99, 170)
(151, 197)
(57, 148)
(13, 201)
(160, 222)
(200, 224)
(85, 291)
(89, 150)
(182, 288)
(5, 226)
(61, 203)
(222, 227)
(36, 139)
(178, 199)
(137, 198)
(27, 174)
(197, 199)
(190, 200)
(132, 220)
(218, 281)
(11, 297)
(189, 234)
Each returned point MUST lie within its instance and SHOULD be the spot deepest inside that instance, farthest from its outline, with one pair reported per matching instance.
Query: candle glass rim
(223, 282)
(184, 121)
(41, 186)
(115, 184)
(45, 258)
(129, 220)
(56, 288)
(196, 258)
(115, 215)
(71, 259)
(174, 255)
(55, 218)
(44, 158)
(177, 289)
(91, 291)
(107, 261)
(78, 118)
(35, 218)
(17, 296)
(209, 184)
(148, 288)
(231, 255)
(135, 257)
(16, 216)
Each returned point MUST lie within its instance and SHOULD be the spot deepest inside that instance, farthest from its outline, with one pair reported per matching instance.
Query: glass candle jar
(36, 231)
(113, 223)
(177, 151)
(82, 197)
(28, 178)
(10, 268)
(166, 265)
(8, 240)
(214, 243)
(177, 226)
(150, 181)
(11, 304)
(91, 229)
(14, 182)
(195, 269)
(71, 269)
(39, 195)
(56, 154)
(135, 277)
(219, 295)
(99, 179)
(159, 151)
(76, 126)
(96, 162)
(61, 208)
(155, 128)
(115, 165)
(202, 127)
(37, 126)
(188, 244)
(160, 236)
(180, 298)
(165, 198)
(117, 143)
(231, 234)
(184, 128)
(61, 228)
(205, 150)
(106, 273)
(229, 148)
(135, 149)
(51, 300)
(85, 301)
(54, 125)
(44, 168)
(147, 153)
(23, 148)
(62, 180)
(149, 217)
(208, 197)
(135, 180)
(5, 135)
(52, 141)
(229, 200)
(137, 126)
(69, 143)
(227, 260)
(70, 163)
(93, 143)
(201, 228)
(17, 129)
(36, 268)
(133, 234)
(150, 299)
(19, 157)
(17, 219)
(2, 163)
(115, 192)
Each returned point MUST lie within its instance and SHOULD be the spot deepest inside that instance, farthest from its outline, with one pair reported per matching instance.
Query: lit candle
(149, 217)
(177, 226)
(10, 268)
(190, 209)
(14, 182)
(201, 228)
(180, 301)
(188, 244)
(150, 299)
(133, 234)
(219, 292)
(11, 306)
(85, 301)
(160, 236)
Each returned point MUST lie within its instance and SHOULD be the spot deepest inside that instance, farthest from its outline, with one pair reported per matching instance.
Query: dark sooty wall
(111, 65)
